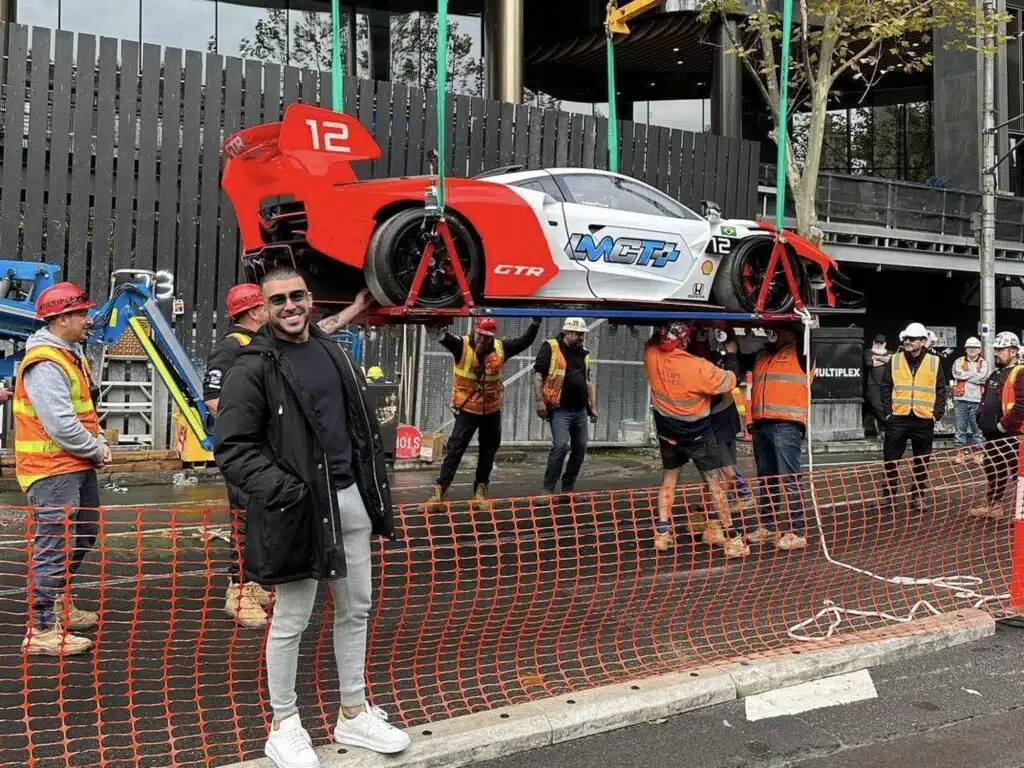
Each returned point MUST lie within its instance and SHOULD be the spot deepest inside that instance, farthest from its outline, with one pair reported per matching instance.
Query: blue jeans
(965, 422)
(568, 435)
(62, 538)
(777, 447)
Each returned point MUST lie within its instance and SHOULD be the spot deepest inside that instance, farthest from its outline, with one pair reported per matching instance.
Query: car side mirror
(711, 211)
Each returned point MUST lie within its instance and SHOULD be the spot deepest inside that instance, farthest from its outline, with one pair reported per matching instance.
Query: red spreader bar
(441, 228)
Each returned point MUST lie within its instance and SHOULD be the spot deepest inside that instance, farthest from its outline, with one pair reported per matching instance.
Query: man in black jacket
(296, 435)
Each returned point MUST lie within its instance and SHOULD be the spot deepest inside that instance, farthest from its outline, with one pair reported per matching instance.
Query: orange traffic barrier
(477, 609)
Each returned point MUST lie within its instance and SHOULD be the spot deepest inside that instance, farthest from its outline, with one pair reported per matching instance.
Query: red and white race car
(558, 236)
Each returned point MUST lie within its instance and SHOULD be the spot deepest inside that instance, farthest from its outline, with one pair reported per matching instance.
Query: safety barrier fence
(477, 609)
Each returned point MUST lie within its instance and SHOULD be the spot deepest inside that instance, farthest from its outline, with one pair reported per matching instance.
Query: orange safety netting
(476, 609)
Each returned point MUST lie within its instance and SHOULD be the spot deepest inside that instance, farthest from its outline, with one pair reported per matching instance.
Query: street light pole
(987, 240)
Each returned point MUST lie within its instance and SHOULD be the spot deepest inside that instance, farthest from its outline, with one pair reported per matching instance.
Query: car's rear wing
(310, 149)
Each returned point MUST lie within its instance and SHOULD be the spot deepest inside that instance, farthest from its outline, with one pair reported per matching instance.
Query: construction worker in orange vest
(1001, 420)
(246, 603)
(682, 388)
(913, 391)
(565, 398)
(778, 404)
(477, 398)
(58, 444)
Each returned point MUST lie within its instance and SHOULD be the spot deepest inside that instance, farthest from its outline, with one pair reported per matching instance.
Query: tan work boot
(662, 541)
(73, 617)
(436, 502)
(985, 510)
(735, 547)
(714, 534)
(790, 541)
(55, 641)
(242, 605)
(480, 500)
(259, 594)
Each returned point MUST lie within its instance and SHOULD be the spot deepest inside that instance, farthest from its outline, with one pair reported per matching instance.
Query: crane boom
(617, 16)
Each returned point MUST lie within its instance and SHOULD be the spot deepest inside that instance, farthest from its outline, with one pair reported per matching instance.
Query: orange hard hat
(487, 326)
(242, 297)
(60, 299)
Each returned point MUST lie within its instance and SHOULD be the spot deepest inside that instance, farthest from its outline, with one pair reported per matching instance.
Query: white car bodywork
(624, 252)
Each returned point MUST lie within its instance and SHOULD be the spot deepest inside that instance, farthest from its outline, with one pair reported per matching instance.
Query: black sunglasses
(297, 296)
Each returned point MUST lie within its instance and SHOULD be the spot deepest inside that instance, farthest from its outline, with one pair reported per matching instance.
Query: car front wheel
(742, 271)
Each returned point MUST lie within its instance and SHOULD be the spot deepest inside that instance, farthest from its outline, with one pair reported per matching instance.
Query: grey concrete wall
(957, 114)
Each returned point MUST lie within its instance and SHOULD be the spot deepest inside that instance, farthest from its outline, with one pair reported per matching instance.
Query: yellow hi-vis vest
(36, 455)
(914, 392)
(468, 394)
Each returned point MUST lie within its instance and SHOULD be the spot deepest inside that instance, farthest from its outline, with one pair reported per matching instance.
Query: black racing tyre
(393, 255)
(739, 277)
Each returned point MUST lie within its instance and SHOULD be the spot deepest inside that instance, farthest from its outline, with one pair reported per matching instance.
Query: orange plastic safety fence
(479, 608)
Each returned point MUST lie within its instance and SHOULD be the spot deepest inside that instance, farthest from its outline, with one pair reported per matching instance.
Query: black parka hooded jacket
(266, 445)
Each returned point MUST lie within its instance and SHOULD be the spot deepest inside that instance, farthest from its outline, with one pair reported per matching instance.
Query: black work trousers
(489, 440)
(1000, 465)
(898, 431)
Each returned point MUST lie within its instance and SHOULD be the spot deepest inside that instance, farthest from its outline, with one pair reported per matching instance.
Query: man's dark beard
(485, 347)
(281, 333)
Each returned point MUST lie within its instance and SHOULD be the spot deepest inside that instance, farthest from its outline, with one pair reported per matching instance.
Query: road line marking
(817, 694)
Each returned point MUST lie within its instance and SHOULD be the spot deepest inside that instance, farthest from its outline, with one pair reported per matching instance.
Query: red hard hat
(61, 298)
(488, 326)
(242, 297)
(674, 335)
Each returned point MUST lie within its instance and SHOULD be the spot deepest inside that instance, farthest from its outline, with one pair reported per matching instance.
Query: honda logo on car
(837, 373)
(624, 250)
(518, 270)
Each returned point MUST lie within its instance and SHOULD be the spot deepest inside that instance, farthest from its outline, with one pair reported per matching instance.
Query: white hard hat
(1006, 340)
(972, 342)
(914, 331)
(575, 324)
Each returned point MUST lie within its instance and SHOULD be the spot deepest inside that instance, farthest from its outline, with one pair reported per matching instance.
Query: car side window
(621, 194)
(542, 185)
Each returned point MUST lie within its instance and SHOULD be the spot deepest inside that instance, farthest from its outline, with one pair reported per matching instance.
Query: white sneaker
(370, 730)
(289, 746)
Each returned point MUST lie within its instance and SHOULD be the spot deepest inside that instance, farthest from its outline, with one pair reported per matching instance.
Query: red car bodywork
(279, 159)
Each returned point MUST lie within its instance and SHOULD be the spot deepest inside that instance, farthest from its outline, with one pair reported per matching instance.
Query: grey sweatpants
(352, 599)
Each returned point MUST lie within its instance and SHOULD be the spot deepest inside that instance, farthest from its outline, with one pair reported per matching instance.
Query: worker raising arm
(477, 397)
(682, 388)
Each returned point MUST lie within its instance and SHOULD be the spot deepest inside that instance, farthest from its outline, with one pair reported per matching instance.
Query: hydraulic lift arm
(618, 15)
(132, 301)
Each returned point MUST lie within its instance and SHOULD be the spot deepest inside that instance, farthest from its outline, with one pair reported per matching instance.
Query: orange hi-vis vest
(1009, 395)
(914, 392)
(682, 385)
(35, 455)
(552, 391)
(469, 393)
(779, 392)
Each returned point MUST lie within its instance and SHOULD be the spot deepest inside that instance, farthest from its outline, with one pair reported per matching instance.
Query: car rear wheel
(394, 252)
(741, 273)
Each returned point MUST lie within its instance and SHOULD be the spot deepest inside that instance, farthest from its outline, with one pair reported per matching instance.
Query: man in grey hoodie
(58, 445)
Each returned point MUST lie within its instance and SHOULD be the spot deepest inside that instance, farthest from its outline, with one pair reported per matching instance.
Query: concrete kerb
(509, 730)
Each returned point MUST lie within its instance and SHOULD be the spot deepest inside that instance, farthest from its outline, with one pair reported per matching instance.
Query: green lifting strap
(780, 172)
(613, 122)
(442, 85)
(337, 92)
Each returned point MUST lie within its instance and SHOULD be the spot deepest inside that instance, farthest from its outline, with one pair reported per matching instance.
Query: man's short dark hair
(280, 273)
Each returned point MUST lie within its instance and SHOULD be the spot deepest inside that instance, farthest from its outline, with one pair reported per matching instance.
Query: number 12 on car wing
(327, 135)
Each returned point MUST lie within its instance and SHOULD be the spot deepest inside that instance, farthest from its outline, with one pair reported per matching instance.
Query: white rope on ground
(963, 586)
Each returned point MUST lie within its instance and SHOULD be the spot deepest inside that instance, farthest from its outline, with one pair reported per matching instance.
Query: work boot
(761, 535)
(73, 617)
(259, 594)
(985, 510)
(790, 541)
(241, 604)
(714, 534)
(662, 541)
(436, 502)
(55, 641)
(480, 500)
(735, 547)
